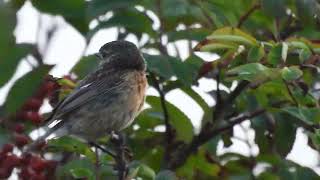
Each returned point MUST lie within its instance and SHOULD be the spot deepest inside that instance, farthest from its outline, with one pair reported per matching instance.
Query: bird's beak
(98, 55)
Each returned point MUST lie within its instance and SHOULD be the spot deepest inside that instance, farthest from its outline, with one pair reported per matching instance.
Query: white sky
(68, 45)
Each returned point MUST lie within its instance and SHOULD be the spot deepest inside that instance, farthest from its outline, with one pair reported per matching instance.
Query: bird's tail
(40, 140)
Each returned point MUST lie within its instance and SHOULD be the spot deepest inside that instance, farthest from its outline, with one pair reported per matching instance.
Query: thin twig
(120, 159)
(290, 93)
(103, 149)
(244, 17)
(169, 133)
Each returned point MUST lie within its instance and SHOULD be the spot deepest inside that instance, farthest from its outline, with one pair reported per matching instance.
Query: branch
(244, 17)
(204, 137)
(169, 132)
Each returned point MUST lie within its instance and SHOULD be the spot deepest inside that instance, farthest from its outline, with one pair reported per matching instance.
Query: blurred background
(65, 34)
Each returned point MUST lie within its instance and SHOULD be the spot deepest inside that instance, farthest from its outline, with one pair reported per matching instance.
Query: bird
(106, 100)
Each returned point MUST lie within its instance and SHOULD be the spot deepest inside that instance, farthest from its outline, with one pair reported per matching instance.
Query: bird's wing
(87, 92)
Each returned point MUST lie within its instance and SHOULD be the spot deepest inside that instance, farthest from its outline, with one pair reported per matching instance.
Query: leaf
(197, 34)
(69, 144)
(168, 66)
(131, 19)
(285, 134)
(82, 173)
(308, 115)
(196, 97)
(255, 54)
(101, 7)
(233, 34)
(274, 8)
(284, 51)
(304, 55)
(204, 166)
(77, 168)
(8, 21)
(166, 175)
(215, 46)
(10, 61)
(275, 55)
(180, 122)
(308, 10)
(144, 171)
(72, 10)
(253, 72)
(25, 87)
(292, 73)
(86, 65)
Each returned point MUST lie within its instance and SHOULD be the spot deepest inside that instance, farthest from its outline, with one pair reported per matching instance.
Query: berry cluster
(30, 109)
(29, 166)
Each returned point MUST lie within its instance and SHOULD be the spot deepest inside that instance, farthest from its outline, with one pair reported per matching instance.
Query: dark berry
(33, 104)
(21, 140)
(34, 117)
(6, 148)
(37, 164)
(5, 172)
(19, 128)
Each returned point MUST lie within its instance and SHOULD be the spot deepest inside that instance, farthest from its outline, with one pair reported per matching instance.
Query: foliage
(268, 49)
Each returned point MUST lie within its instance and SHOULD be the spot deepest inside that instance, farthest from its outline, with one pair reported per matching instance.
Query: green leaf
(132, 20)
(168, 66)
(180, 122)
(25, 87)
(253, 72)
(285, 134)
(69, 144)
(8, 21)
(197, 34)
(255, 54)
(10, 61)
(234, 35)
(308, 10)
(308, 115)
(86, 65)
(76, 168)
(166, 175)
(101, 7)
(275, 8)
(74, 11)
(204, 166)
(304, 55)
(82, 173)
(292, 73)
(275, 55)
(196, 97)
(144, 171)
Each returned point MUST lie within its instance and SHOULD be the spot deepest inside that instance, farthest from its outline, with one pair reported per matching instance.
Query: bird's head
(121, 55)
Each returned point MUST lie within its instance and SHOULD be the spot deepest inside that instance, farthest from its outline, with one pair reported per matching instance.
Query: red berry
(21, 140)
(5, 172)
(50, 86)
(36, 176)
(6, 148)
(26, 157)
(41, 145)
(25, 173)
(38, 164)
(33, 104)
(34, 117)
(51, 165)
(11, 161)
(19, 128)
